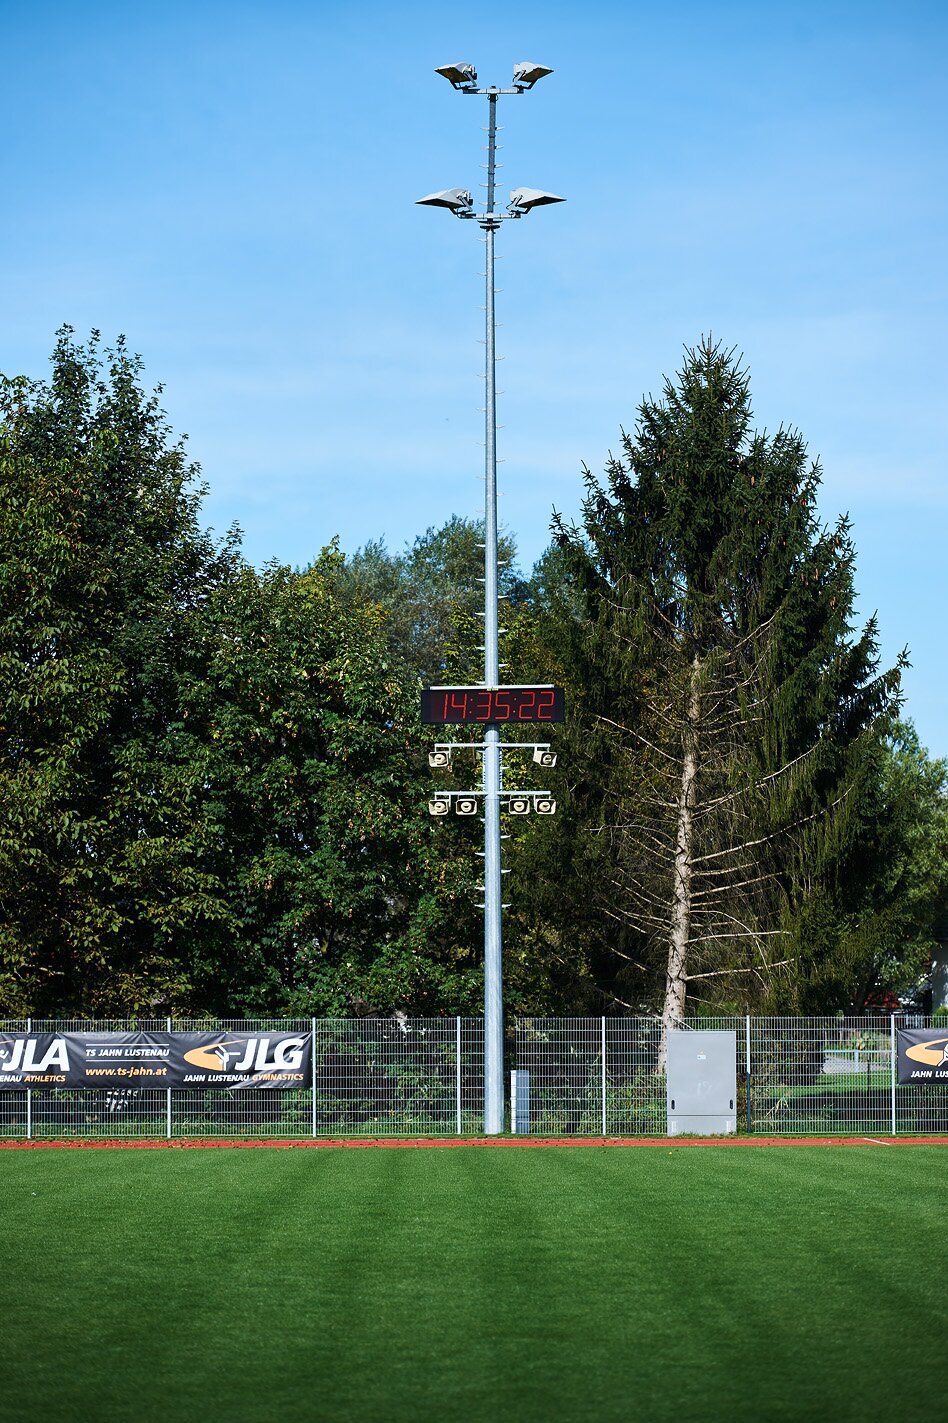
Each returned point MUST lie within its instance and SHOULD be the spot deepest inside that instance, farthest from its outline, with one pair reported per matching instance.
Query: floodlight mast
(492, 775)
(463, 77)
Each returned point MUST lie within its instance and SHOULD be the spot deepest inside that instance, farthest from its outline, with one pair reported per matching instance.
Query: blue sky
(232, 187)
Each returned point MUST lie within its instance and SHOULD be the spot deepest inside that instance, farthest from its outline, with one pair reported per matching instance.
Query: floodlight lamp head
(523, 199)
(456, 200)
(459, 76)
(525, 75)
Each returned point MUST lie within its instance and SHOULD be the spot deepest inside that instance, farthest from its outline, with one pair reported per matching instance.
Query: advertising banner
(235, 1060)
(240, 1060)
(923, 1055)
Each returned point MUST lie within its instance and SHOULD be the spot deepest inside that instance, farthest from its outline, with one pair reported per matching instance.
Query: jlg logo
(287, 1055)
(934, 1052)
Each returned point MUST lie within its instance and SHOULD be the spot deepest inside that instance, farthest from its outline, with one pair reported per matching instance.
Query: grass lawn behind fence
(543, 1284)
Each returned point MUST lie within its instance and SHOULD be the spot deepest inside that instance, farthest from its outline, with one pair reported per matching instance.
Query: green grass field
(577, 1283)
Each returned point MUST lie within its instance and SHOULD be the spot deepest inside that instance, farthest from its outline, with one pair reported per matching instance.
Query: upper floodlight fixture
(463, 76)
(525, 75)
(523, 199)
(458, 200)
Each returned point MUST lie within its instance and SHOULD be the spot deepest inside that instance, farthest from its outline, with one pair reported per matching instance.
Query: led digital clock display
(454, 706)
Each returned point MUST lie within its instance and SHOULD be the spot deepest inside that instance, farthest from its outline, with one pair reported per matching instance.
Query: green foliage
(102, 563)
(303, 733)
(213, 778)
(210, 788)
(432, 594)
(894, 939)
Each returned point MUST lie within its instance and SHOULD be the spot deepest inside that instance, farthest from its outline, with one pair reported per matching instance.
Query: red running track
(330, 1143)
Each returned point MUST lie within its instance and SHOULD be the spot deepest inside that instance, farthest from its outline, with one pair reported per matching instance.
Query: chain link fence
(393, 1077)
(387, 1077)
(836, 1076)
(398, 1077)
(597, 1076)
(829, 1076)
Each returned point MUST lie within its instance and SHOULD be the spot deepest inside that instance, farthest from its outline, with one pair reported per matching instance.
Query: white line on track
(876, 1142)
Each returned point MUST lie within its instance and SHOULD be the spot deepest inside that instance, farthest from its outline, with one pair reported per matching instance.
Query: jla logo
(20, 1055)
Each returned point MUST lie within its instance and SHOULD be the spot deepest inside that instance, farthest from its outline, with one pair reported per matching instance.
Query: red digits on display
(456, 705)
(482, 705)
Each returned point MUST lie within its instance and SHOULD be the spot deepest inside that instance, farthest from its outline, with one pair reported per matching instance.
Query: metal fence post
(892, 1057)
(168, 1102)
(29, 1095)
(603, 1055)
(312, 1088)
(457, 1071)
(747, 1070)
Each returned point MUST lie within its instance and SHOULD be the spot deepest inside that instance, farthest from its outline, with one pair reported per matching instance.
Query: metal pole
(29, 1095)
(892, 1056)
(747, 1070)
(457, 1071)
(603, 1075)
(168, 1099)
(464, 77)
(313, 1073)
(493, 933)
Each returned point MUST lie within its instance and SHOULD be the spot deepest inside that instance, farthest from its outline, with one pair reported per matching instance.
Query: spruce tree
(733, 716)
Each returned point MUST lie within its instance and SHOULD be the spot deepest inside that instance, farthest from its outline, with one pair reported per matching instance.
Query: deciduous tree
(305, 730)
(102, 565)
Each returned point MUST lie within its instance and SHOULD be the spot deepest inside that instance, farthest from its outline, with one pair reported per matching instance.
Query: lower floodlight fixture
(463, 76)
(519, 805)
(466, 805)
(542, 757)
(456, 200)
(525, 74)
(544, 805)
(439, 805)
(524, 199)
(439, 760)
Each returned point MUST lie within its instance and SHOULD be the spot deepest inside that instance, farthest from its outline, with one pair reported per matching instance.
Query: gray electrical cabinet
(701, 1082)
